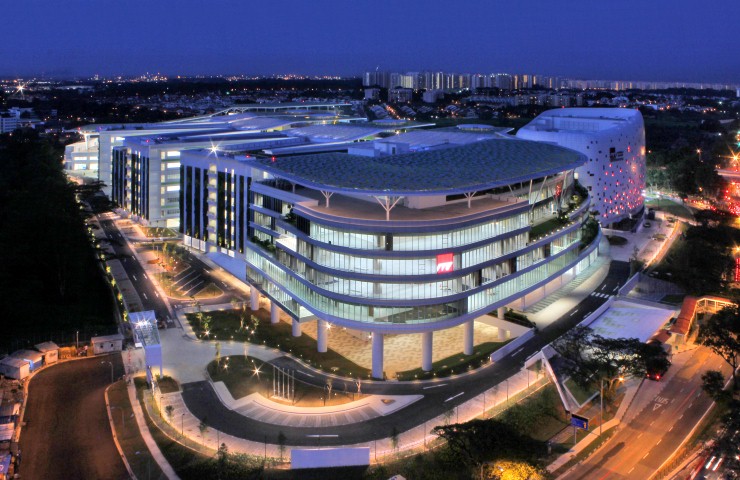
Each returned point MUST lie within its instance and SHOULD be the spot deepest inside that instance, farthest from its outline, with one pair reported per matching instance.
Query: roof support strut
(327, 196)
(469, 196)
(388, 203)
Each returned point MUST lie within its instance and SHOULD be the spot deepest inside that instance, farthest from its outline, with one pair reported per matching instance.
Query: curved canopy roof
(474, 167)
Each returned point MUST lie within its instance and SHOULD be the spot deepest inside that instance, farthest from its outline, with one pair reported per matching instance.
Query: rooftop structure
(614, 141)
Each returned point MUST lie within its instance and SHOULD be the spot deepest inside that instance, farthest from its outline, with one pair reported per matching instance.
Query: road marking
(322, 436)
(146, 276)
(574, 312)
(453, 397)
(640, 435)
(671, 428)
(680, 417)
(646, 455)
(434, 386)
(630, 470)
(513, 354)
(155, 293)
(306, 373)
(658, 442)
(144, 294)
(135, 280)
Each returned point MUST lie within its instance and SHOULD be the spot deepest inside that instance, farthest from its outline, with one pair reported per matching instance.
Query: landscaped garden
(456, 364)
(671, 207)
(255, 327)
(158, 232)
(246, 375)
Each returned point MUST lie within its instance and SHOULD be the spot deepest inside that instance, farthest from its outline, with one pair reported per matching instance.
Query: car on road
(646, 225)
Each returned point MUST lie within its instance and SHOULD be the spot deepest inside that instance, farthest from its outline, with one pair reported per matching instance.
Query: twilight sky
(672, 40)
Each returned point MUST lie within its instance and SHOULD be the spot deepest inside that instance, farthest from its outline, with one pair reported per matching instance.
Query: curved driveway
(203, 402)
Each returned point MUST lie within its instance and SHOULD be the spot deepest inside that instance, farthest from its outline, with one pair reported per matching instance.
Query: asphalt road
(202, 401)
(148, 294)
(67, 434)
(639, 448)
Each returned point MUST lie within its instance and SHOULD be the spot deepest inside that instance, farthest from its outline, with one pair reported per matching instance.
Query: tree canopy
(589, 357)
(721, 333)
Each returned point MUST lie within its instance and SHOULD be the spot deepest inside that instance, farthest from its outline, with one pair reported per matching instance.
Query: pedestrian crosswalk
(600, 295)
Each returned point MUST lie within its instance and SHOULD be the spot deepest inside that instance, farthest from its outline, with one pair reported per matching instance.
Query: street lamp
(111, 369)
(601, 398)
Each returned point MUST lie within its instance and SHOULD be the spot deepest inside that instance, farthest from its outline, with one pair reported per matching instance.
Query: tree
(169, 411)
(223, 455)
(394, 439)
(721, 334)
(203, 427)
(508, 470)
(589, 357)
(713, 384)
(281, 439)
(472, 443)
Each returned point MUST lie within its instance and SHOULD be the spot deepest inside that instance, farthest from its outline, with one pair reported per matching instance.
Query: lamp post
(182, 423)
(111, 369)
(601, 399)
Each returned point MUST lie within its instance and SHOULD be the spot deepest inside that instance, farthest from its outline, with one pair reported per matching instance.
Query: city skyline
(660, 41)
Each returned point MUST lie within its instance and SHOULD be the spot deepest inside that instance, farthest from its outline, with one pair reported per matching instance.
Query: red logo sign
(445, 263)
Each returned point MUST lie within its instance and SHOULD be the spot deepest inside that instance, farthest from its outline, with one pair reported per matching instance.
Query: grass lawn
(617, 240)
(458, 363)
(129, 437)
(225, 325)
(189, 459)
(673, 208)
(158, 232)
(579, 393)
(545, 227)
(241, 380)
(168, 384)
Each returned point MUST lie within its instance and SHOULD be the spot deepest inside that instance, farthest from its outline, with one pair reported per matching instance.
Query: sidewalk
(147, 436)
(632, 386)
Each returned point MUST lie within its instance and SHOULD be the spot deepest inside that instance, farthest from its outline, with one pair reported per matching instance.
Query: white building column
(426, 350)
(468, 337)
(377, 355)
(254, 298)
(501, 334)
(500, 312)
(321, 333)
(274, 313)
(296, 328)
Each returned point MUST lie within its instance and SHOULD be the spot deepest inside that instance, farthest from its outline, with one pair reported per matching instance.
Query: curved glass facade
(364, 278)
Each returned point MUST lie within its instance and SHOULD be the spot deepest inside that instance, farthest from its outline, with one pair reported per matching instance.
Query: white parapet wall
(329, 457)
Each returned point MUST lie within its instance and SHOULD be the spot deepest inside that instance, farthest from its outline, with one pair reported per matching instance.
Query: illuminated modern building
(613, 139)
(410, 234)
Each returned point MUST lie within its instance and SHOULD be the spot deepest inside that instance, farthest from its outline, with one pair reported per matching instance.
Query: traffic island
(244, 376)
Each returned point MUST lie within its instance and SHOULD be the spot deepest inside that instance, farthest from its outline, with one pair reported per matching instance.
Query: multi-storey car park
(613, 139)
(418, 233)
